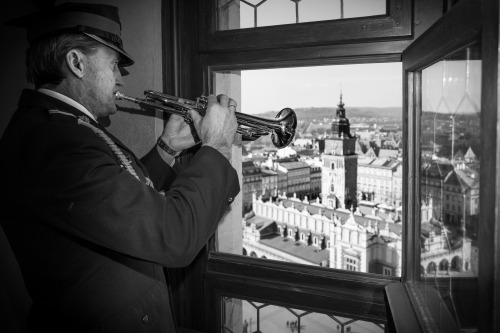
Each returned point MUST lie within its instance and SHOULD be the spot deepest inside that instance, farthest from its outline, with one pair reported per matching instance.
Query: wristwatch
(166, 148)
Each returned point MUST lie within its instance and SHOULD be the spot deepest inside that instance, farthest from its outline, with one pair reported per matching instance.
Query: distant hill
(308, 114)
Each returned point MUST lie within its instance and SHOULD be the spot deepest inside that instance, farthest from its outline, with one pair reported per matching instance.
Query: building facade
(307, 232)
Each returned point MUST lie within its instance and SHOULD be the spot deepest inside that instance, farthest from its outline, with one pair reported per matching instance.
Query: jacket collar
(67, 100)
(32, 98)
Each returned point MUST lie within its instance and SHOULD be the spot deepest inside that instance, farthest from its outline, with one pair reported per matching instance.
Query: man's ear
(75, 62)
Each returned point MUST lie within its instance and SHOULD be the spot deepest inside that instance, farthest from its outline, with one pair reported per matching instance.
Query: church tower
(340, 124)
(340, 164)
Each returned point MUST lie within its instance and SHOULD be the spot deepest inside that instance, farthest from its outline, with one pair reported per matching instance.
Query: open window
(446, 116)
(238, 281)
(246, 286)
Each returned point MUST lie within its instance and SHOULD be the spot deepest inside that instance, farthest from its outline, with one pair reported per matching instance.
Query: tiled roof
(294, 165)
(342, 215)
(468, 178)
(388, 153)
(470, 153)
(267, 173)
(297, 249)
(270, 237)
(384, 162)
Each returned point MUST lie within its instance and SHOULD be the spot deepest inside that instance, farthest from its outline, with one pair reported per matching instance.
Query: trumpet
(282, 129)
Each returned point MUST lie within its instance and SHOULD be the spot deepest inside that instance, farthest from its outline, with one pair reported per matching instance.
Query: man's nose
(119, 74)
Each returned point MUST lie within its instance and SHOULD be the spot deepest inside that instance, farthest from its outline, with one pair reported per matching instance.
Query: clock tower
(340, 164)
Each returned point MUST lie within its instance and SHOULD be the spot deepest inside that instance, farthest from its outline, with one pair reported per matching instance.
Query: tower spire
(340, 125)
(340, 109)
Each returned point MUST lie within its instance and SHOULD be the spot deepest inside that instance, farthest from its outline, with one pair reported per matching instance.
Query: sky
(375, 85)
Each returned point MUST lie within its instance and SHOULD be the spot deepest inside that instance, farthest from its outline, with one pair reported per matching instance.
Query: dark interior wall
(12, 58)
(14, 300)
(141, 33)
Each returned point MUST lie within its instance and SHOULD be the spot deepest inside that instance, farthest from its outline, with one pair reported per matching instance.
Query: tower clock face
(335, 146)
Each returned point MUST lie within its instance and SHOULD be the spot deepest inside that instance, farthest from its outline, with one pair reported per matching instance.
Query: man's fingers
(232, 105)
(195, 115)
(194, 126)
(212, 99)
(223, 100)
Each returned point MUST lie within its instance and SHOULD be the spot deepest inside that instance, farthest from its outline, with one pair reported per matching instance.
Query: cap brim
(125, 59)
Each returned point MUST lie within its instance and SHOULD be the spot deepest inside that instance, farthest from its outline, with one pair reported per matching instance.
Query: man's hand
(217, 128)
(177, 133)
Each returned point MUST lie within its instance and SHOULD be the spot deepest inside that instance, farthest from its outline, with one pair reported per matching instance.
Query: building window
(351, 264)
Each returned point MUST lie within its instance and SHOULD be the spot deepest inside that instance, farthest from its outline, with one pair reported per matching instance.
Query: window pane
(247, 316)
(333, 197)
(236, 14)
(450, 158)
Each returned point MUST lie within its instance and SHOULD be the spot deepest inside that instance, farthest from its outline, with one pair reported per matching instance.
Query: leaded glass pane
(450, 141)
(248, 316)
(240, 14)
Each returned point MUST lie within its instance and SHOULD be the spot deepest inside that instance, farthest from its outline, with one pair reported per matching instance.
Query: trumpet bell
(284, 136)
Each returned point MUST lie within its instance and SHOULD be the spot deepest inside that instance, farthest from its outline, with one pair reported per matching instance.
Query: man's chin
(113, 109)
(104, 121)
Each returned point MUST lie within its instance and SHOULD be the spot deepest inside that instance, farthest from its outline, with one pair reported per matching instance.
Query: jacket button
(145, 319)
(230, 200)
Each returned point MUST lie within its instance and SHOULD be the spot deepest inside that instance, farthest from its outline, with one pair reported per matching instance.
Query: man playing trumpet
(83, 214)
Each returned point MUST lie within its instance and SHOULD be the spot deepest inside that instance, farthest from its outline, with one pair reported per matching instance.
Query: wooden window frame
(459, 28)
(188, 68)
(463, 22)
(345, 293)
(396, 24)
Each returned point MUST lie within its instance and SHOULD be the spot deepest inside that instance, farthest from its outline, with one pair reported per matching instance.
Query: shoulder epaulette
(54, 111)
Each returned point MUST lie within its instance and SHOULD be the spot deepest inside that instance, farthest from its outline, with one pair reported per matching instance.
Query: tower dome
(340, 124)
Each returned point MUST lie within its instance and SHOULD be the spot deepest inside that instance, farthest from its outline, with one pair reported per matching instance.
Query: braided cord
(125, 162)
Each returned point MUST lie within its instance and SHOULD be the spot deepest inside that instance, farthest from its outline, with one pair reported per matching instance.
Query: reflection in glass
(247, 316)
(450, 158)
(240, 14)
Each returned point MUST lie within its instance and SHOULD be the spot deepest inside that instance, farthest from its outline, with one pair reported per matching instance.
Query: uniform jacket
(91, 237)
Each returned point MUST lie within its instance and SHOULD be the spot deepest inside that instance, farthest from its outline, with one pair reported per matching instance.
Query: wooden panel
(396, 25)
(410, 264)
(463, 22)
(427, 12)
(182, 77)
(349, 294)
(320, 55)
(401, 312)
(489, 231)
